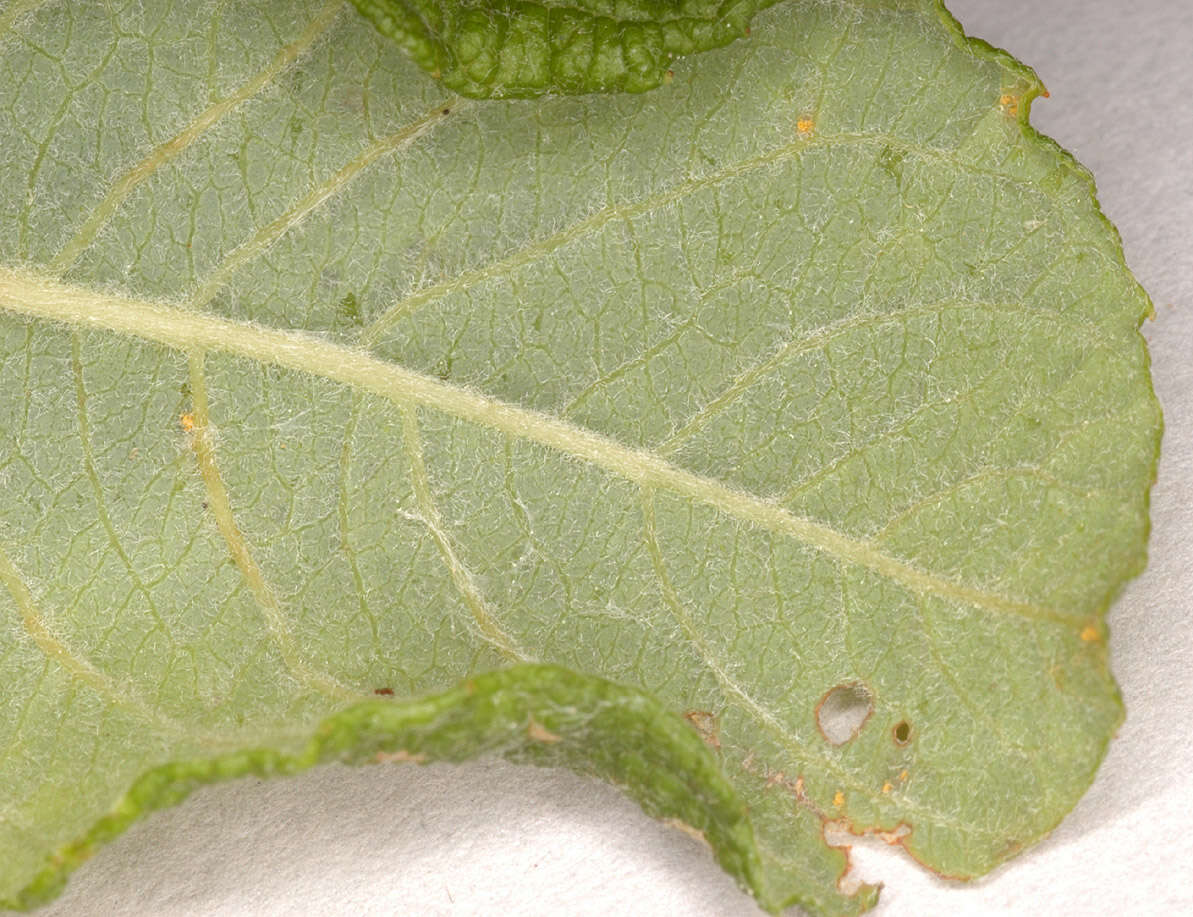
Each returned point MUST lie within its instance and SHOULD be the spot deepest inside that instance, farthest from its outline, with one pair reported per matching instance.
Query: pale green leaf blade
(812, 369)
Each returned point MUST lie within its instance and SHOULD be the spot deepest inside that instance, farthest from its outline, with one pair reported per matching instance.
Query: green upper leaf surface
(814, 368)
(524, 48)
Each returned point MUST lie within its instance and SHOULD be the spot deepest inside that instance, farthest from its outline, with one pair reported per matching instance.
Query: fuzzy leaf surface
(814, 369)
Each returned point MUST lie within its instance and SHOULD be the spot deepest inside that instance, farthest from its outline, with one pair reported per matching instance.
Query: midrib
(37, 296)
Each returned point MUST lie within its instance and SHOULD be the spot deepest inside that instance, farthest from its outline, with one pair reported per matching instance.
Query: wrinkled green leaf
(522, 48)
(815, 369)
(529, 713)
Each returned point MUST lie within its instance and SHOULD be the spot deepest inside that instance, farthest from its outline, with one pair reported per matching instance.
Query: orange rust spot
(886, 787)
(805, 125)
(1046, 94)
(1009, 103)
(187, 421)
(1090, 634)
(903, 775)
(838, 799)
(540, 733)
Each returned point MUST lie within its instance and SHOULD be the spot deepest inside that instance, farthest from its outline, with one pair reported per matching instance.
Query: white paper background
(490, 838)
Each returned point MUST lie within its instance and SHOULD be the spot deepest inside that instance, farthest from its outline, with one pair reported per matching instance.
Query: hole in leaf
(843, 711)
(902, 732)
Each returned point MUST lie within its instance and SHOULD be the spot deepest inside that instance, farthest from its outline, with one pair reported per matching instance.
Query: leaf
(532, 713)
(515, 48)
(804, 394)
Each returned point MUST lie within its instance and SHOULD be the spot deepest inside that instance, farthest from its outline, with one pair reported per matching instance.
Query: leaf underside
(813, 369)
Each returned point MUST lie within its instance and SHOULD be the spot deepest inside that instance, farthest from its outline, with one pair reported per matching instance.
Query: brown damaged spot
(797, 788)
(706, 724)
(778, 778)
(775, 778)
(840, 832)
(537, 732)
(901, 733)
(900, 836)
(401, 756)
(895, 836)
(847, 883)
(837, 830)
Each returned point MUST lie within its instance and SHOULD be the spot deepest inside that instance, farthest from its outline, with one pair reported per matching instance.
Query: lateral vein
(534, 250)
(269, 234)
(165, 152)
(490, 630)
(78, 666)
(221, 508)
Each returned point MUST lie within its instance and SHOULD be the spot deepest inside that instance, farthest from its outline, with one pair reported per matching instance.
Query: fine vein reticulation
(37, 296)
(744, 590)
